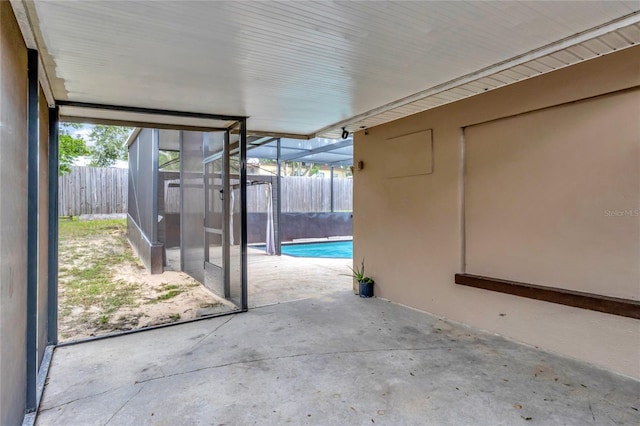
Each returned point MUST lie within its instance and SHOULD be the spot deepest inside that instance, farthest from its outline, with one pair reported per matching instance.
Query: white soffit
(496, 76)
(312, 67)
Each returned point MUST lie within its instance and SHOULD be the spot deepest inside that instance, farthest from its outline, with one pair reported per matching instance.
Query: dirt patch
(104, 288)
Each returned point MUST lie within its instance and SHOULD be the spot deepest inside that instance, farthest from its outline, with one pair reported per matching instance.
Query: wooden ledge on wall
(594, 302)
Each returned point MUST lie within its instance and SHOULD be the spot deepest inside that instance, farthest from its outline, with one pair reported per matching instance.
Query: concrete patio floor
(277, 279)
(331, 360)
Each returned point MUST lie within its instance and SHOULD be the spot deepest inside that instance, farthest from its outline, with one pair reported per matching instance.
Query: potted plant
(365, 283)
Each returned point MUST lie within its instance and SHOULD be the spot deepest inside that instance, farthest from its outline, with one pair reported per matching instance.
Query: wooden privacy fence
(302, 194)
(93, 190)
(299, 195)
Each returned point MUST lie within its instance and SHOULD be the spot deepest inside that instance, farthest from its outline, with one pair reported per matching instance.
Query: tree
(69, 147)
(108, 144)
(300, 168)
(169, 160)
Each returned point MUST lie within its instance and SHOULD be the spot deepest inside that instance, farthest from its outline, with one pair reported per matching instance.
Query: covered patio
(330, 360)
(496, 183)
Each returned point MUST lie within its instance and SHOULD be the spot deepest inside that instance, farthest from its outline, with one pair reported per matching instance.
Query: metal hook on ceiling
(345, 133)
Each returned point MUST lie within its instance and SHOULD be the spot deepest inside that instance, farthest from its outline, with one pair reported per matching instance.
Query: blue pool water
(333, 249)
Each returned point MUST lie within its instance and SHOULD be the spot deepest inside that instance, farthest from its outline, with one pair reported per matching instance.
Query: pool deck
(278, 279)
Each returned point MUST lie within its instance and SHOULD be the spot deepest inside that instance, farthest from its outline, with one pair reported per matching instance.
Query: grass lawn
(103, 286)
(89, 252)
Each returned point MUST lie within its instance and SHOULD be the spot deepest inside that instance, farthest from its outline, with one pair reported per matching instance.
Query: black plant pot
(366, 289)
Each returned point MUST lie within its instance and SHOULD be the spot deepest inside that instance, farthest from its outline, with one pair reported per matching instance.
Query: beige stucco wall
(410, 229)
(13, 213)
(550, 199)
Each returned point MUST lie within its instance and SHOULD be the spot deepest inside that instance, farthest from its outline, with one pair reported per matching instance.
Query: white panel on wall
(552, 197)
(410, 155)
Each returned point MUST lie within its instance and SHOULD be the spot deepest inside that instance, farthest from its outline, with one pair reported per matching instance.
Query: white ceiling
(307, 67)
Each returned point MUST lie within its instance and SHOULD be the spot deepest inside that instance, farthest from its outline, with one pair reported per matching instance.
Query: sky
(82, 132)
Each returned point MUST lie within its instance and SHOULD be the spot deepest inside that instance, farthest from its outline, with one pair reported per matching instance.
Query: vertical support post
(205, 235)
(181, 196)
(332, 199)
(206, 186)
(278, 200)
(52, 260)
(32, 228)
(461, 201)
(155, 144)
(226, 212)
(243, 211)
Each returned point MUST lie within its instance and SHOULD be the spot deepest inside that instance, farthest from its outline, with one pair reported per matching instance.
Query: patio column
(32, 228)
(52, 292)
(278, 200)
(332, 199)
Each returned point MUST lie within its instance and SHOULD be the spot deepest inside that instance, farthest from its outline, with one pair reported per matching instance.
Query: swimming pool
(333, 249)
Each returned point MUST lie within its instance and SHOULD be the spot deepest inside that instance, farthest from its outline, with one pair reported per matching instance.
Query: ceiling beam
(261, 141)
(24, 22)
(134, 123)
(151, 111)
(279, 135)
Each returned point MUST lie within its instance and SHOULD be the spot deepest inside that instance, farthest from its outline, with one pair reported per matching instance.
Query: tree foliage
(169, 160)
(300, 168)
(108, 144)
(69, 147)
